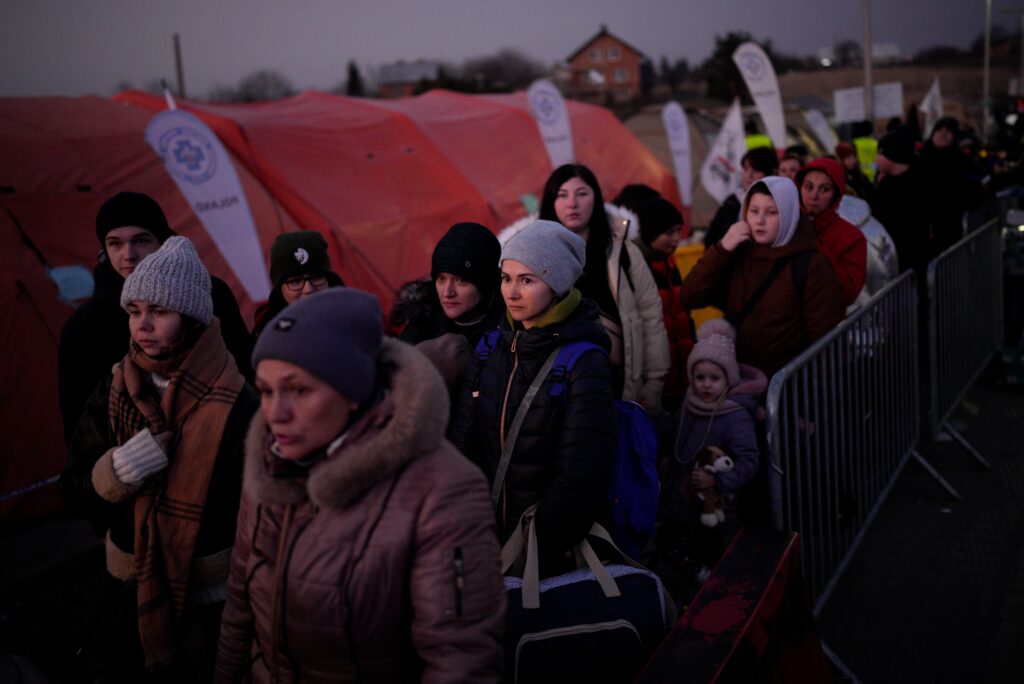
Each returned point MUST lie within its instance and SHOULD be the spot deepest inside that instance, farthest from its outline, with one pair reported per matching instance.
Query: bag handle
(513, 548)
(517, 422)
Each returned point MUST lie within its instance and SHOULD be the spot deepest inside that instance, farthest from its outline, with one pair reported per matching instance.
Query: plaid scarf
(204, 384)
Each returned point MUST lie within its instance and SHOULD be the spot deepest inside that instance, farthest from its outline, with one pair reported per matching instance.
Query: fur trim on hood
(407, 424)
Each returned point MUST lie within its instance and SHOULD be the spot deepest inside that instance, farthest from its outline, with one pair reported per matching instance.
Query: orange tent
(381, 179)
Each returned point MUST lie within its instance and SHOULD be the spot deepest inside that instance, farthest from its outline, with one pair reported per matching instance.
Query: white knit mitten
(138, 458)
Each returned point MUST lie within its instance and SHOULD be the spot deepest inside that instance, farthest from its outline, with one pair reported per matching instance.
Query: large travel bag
(598, 623)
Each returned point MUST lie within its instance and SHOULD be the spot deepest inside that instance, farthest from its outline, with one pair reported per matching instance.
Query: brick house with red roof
(605, 68)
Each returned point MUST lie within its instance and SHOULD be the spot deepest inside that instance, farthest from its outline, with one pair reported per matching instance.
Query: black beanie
(949, 122)
(292, 254)
(469, 251)
(657, 216)
(132, 209)
(898, 146)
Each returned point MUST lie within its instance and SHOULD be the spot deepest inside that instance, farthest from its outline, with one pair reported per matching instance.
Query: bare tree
(507, 70)
(265, 84)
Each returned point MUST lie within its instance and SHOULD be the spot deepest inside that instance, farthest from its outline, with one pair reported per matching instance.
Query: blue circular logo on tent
(189, 154)
(545, 107)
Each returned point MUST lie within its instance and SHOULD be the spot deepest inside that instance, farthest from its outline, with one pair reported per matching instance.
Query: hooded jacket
(783, 323)
(730, 428)
(379, 563)
(838, 240)
(644, 340)
(564, 451)
(883, 264)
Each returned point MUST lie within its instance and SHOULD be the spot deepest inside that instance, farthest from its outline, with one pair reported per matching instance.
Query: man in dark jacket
(902, 202)
(129, 227)
(953, 188)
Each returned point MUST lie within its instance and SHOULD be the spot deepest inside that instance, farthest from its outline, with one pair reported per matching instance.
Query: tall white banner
(552, 119)
(720, 173)
(931, 105)
(759, 75)
(822, 131)
(677, 129)
(203, 171)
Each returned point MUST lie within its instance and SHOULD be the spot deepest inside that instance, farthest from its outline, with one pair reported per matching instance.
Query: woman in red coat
(822, 184)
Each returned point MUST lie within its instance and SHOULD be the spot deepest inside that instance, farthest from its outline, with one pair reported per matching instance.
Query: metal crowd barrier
(965, 322)
(843, 419)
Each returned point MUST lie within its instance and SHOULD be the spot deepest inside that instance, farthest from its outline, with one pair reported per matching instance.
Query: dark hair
(791, 157)
(759, 188)
(762, 159)
(634, 196)
(594, 282)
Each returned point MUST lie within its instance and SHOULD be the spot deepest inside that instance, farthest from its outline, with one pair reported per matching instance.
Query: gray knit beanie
(334, 334)
(172, 277)
(552, 251)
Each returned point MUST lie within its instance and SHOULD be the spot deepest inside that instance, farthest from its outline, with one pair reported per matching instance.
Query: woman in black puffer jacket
(564, 451)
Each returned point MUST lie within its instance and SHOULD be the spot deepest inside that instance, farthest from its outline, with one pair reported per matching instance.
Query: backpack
(631, 506)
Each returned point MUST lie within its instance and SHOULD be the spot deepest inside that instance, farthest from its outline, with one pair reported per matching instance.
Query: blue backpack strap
(486, 345)
(566, 360)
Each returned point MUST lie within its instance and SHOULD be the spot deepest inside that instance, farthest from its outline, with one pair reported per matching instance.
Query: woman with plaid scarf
(156, 464)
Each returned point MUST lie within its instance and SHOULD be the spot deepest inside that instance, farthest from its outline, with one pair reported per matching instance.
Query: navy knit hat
(469, 251)
(657, 216)
(333, 334)
(132, 209)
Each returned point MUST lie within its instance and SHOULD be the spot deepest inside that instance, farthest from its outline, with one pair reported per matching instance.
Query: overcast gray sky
(78, 47)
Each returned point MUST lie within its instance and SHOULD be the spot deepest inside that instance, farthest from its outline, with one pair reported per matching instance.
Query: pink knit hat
(716, 342)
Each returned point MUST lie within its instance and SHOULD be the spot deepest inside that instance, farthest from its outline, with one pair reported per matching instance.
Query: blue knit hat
(333, 334)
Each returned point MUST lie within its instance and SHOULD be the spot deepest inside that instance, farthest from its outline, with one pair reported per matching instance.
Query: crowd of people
(327, 496)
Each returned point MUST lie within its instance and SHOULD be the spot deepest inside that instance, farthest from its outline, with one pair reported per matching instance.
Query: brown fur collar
(411, 421)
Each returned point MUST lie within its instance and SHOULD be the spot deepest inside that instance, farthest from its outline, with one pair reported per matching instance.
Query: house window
(595, 55)
(614, 55)
(621, 75)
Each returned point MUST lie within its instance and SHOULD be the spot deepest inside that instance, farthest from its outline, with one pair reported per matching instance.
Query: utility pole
(177, 66)
(985, 114)
(869, 81)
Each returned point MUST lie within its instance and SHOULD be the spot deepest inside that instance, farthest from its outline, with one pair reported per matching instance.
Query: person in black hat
(953, 186)
(299, 266)
(661, 226)
(902, 200)
(461, 296)
(129, 227)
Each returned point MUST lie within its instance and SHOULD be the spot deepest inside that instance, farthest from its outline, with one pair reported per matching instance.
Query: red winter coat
(677, 321)
(839, 240)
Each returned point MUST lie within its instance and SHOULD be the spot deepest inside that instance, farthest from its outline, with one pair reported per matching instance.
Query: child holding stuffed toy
(713, 452)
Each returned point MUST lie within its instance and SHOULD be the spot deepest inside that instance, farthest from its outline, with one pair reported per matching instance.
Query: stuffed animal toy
(713, 460)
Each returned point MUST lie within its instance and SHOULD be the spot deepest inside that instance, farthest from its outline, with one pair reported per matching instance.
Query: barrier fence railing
(965, 322)
(843, 418)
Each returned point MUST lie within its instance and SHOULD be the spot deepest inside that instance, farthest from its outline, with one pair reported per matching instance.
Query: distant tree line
(509, 70)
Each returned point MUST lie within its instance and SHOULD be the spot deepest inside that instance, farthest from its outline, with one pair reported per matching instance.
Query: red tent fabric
(382, 180)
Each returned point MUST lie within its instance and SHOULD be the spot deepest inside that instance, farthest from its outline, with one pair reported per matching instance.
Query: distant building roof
(408, 72)
(603, 32)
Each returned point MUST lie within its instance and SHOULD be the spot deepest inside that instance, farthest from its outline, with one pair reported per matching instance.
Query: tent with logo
(381, 179)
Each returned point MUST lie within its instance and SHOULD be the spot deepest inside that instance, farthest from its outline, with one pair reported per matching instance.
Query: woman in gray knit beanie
(156, 464)
(560, 458)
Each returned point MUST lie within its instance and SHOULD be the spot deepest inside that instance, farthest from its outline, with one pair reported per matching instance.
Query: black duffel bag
(600, 621)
